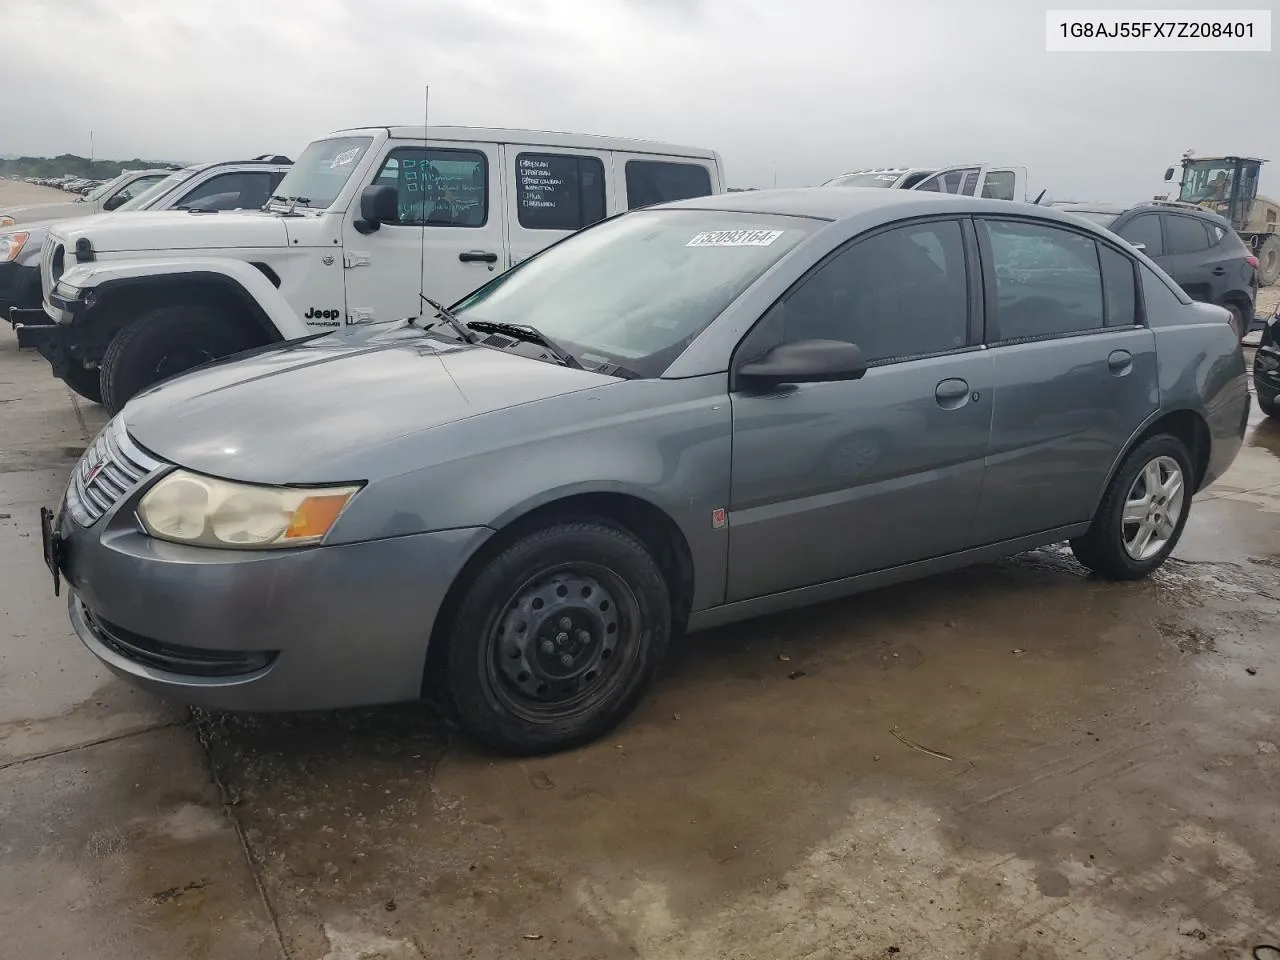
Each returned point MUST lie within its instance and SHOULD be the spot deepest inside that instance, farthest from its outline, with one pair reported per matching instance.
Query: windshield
(1207, 180)
(99, 193)
(634, 291)
(865, 180)
(1102, 219)
(157, 190)
(322, 171)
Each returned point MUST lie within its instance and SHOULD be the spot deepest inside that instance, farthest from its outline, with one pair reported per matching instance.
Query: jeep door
(552, 192)
(446, 241)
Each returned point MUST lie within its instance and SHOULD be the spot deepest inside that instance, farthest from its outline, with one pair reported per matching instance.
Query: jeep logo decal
(317, 313)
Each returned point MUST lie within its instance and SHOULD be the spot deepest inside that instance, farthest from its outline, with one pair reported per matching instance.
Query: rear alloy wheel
(163, 343)
(1142, 513)
(557, 638)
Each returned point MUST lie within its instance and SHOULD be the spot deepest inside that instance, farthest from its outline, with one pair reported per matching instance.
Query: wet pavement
(1012, 761)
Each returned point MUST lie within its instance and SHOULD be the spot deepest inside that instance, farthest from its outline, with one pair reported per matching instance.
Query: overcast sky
(801, 90)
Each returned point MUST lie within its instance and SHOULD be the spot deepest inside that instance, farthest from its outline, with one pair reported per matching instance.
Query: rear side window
(1119, 286)
(998, 185)
(1048, 281)
(558, 191)
(1164, 308)
(660, 181)
(438, 188)
(1146, 231)
(1185, 235)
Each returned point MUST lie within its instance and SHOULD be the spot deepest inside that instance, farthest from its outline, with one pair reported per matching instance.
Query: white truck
(970, 179)
(110, 196)
(367, 222)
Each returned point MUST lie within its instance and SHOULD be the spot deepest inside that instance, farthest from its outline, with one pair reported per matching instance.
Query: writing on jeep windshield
(321, 172)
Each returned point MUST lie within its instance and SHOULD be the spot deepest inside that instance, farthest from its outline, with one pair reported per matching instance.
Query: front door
(447, 241)
(835, 479)
(1075, 375)
(552, 193)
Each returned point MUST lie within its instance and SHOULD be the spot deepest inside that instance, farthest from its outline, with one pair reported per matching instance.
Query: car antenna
(422, 185)
(1041, 196)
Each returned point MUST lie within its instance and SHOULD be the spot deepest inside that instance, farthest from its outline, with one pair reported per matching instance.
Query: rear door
(552, 193)
(1187, 258)
(448, 240)
(1075, 375)
(641, 180)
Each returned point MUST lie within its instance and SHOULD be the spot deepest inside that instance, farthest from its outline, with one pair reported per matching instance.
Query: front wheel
(162, 343)
(557, 638)
(1269, 261)
(1142, 514)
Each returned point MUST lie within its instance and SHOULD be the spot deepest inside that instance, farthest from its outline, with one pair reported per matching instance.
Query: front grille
(172, 658)
(108, 472)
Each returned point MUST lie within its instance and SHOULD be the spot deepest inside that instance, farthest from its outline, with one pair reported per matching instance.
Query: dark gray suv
(1197, 248)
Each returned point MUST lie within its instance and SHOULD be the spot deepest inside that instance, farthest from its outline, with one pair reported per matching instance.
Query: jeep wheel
(85, 382)
(162, 343)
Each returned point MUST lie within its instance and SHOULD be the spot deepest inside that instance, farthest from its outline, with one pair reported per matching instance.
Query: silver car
(680, 417)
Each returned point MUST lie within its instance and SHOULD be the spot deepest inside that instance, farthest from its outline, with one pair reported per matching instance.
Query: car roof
(541, 138)
(824, 203)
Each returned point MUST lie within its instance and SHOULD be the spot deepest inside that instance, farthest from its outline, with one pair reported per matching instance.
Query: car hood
(317, 411)
(174, 230)
(46, 211)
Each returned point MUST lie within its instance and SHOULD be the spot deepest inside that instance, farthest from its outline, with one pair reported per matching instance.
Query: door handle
(1219, 271)
(951, 393)
(478, 256)
(1120, 362)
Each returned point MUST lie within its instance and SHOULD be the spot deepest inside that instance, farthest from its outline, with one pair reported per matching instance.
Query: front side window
(146, 198)
(899, 293)
(661, 181)
(324, 168)
(634, 291)
(106, 189)
(1048, 282)
(963, 181)
(136, 188)
(1145, 230)
(247, 190)
(1185, 234)
(556, 191)
(438, 187)
(1207, 181)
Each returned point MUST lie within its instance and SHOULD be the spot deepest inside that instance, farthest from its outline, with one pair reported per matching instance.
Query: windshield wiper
(447, 316)
(522, 331)
(293, 203)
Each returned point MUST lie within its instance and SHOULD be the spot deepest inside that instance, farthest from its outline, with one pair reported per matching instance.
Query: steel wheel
(564, 643)
(1152, 508)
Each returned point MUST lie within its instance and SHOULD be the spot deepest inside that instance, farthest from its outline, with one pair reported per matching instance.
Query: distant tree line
(69, 164)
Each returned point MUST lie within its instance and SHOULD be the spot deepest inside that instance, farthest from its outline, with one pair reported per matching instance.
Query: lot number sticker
(735, 238)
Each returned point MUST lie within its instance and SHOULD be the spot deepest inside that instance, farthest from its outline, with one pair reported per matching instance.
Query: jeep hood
(337, 408)
(167, 230)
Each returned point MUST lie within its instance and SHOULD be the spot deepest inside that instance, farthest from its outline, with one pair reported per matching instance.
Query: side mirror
(119, 200)
(1168, 174)
(805, 361)
(379, 204)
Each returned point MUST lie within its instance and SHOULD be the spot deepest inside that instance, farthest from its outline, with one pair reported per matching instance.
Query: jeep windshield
(882, 179)
(631, 293)
(148, 196)
(324, 168)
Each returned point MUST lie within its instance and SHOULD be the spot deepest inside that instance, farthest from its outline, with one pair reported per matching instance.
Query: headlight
(6, 221)
(188, 508)
(11, 245)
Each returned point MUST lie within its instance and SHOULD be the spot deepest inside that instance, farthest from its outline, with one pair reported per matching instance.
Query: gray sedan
(680, 417)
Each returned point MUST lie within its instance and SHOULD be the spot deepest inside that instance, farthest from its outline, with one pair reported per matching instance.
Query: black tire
(162, 343)
(1103, 549)
(516, 694)
(84, 382)
(1269, 261)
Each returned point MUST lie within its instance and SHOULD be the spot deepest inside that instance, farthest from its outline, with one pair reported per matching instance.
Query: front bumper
(313, 628)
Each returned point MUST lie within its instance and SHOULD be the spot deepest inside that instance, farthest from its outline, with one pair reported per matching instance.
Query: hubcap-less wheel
(563, 642)
(1152, 508)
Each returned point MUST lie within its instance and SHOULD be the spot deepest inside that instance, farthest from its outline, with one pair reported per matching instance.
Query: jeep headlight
(11, 245)
(189, 508)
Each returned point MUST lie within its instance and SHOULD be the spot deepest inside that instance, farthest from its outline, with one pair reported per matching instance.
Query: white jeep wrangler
(365, 223)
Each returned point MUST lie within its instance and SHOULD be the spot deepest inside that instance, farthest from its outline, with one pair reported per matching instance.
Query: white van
(366, 222)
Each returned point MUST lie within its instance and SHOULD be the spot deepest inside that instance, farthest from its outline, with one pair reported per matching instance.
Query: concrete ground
(1013, 761)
